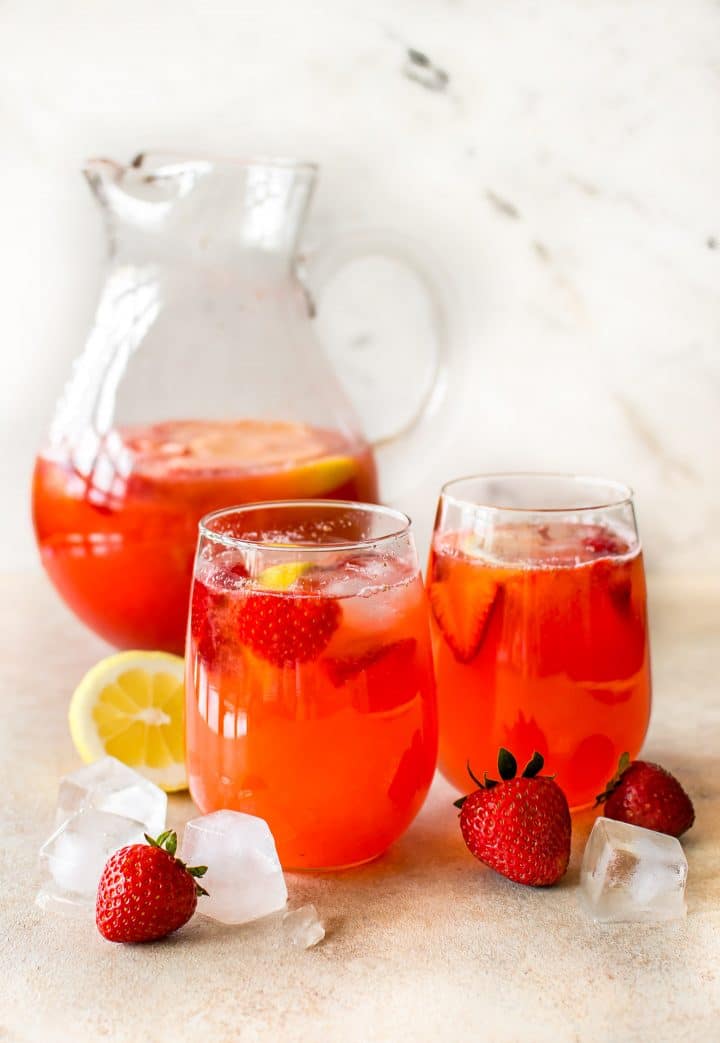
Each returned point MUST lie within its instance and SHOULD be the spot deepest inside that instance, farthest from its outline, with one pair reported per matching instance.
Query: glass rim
(625, 494)
(242, 543)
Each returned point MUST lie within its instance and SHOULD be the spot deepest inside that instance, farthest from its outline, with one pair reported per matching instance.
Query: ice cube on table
(72, 860)
(632, 875)
(244, 879)
(110, 785)
(303, 927)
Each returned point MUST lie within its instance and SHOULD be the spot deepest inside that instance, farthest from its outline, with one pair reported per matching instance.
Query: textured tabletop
(424, 944)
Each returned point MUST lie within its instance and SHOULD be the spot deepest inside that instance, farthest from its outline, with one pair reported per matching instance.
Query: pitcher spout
(101, 174)
(257, 203)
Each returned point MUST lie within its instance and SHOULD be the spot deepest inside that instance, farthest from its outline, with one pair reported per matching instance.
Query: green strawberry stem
(474, 777)
(167, 841)
(507, 765)
(507, 769)
(534, 766)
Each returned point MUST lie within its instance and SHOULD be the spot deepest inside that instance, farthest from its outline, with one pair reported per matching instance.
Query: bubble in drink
(632, 875)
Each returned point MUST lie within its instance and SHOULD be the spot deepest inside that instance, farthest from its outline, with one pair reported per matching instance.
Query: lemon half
(130, 706)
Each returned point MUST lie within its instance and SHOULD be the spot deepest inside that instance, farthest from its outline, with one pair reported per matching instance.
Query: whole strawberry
(520, 826)
(644, 794)
(145, 892)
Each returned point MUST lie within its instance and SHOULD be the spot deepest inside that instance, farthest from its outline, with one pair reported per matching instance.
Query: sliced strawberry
(212, 615)
(285, 630)
(344, 668)
(618, 578)
(201, 621)
(604, 543)
(390, 673)
(462, 597)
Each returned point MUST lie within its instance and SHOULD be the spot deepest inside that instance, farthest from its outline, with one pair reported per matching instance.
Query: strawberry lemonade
(540, 641)
(310, 692)
(116, 521)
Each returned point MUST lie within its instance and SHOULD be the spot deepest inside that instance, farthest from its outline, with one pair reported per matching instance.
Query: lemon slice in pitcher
(318, 477)
(130, 706)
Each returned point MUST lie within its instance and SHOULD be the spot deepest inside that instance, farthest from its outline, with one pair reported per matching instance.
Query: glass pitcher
(202, 385)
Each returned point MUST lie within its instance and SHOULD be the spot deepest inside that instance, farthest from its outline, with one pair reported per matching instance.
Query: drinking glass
(310, 689)
(539, 624)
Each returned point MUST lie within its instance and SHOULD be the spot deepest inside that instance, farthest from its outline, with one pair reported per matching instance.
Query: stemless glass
(310, 689)
(537, 590)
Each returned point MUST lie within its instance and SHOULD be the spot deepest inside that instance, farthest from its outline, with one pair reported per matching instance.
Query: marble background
(560, 160)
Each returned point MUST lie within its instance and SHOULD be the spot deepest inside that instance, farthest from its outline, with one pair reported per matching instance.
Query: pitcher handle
(317, 266)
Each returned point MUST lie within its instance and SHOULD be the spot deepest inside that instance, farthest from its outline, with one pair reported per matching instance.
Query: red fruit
(618, 579)
(604, 543)
(390, 672)
(644, 794)
(286, 629)
(201, 621)
(145, 892)
(520, 827)
(211, 612)
(462, 597)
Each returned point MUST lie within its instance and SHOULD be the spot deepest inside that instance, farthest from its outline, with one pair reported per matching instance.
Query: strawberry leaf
(197, 870)
(507, 765)
(534, 766)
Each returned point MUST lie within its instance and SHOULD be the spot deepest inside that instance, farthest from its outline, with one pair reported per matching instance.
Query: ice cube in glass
(73, 858)
(632, 875)
(303, 927)
(244, 879)
(110, 785)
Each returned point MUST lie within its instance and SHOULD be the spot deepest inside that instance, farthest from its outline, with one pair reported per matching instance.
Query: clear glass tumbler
(537, 590)
(310, 689)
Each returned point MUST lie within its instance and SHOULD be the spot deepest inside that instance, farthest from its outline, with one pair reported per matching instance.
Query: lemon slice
(281, 577)
(322, 476)
(130, 706)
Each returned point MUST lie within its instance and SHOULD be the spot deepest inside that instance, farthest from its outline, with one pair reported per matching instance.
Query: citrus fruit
(130, 706)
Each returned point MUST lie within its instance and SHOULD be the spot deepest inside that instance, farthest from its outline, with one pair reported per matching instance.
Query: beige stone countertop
(425, 944)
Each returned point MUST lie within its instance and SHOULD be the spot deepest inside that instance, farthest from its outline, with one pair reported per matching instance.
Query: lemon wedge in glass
(282, 576)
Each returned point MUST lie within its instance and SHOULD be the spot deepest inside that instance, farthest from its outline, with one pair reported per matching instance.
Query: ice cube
(72, 860)
(303, 927)
(110, 785)
(632, 875)
(244, 879)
